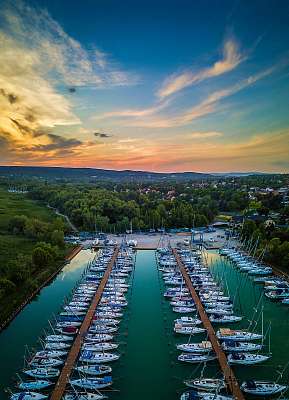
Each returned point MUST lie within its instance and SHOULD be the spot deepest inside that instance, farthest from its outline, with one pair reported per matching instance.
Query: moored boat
(94, 369)
(206, 384)
(262, 388)
(28, 396)
(92, 383)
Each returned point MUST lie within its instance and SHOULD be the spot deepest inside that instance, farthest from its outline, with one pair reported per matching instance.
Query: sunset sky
(198, 85)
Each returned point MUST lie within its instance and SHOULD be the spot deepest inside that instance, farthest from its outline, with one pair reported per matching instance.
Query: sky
(145, 85)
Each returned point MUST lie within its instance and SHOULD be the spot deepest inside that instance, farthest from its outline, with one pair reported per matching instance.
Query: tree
(18, 269)
(57, 238)
(17, 223)
(248, 228)
(43, 254)
(6, 286)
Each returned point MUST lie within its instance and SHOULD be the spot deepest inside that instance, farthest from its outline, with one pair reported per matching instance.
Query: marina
(188, 291)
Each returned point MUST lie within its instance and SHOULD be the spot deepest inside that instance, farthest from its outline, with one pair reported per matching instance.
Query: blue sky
(155, 85)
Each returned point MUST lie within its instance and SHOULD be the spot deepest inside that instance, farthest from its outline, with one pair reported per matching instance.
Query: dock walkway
(229, 375)
(63, 379)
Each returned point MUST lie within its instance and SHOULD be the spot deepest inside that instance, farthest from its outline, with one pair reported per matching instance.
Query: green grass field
(12, 204)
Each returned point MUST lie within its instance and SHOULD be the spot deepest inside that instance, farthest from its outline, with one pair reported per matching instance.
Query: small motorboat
(246, 358)
(42, 372)
(28, 396)
(92, 383)
(202, 347)
(94, 369)
(196, 358)
(35, 385)
(206, 384)
(262, 388)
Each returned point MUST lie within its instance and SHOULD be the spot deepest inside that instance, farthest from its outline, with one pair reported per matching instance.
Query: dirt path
(72, 226)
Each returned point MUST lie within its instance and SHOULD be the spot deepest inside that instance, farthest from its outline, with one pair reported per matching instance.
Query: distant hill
(91, 174)
(239, 174)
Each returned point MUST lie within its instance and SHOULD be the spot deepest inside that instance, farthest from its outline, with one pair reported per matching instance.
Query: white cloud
(204, 135)
(134, 113)
(232, 57)
(60, 54)
(36, 57)
(208, 106)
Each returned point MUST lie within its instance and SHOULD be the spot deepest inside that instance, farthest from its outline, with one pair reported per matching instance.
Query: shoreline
(73, 253)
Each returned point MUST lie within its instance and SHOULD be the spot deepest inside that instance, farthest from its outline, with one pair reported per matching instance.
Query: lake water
(30, 323)
(148, 368)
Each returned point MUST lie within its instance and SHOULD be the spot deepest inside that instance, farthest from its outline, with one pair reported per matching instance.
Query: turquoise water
(143, 373)
(148, 368)
(248, 295)
(29, 324)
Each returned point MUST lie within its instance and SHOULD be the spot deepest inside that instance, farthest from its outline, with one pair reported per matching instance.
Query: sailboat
(92, 383)
(84, 396)
(92, 357)
(42, 372)
(35, 385)
(262, 388)
(194, 395)
(206, 384)
(232, 346)
(196, 358)
(94, 369)
(237, 335)
(246, 358)
(99, 346)
(202, 347)
(28, 396)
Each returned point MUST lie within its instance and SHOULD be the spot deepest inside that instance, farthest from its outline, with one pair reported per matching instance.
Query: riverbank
(24, 331)
(72, 253)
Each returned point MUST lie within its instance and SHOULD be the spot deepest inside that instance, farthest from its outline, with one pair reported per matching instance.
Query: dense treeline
(272, 242)
(28, 269)
(113, 210)
(32, 247)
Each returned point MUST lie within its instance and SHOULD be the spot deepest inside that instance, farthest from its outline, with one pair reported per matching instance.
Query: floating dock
(64, 376)
(229, 375)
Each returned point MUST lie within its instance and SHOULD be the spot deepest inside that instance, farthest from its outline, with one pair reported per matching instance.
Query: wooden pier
(64, 376)
(228, 373)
